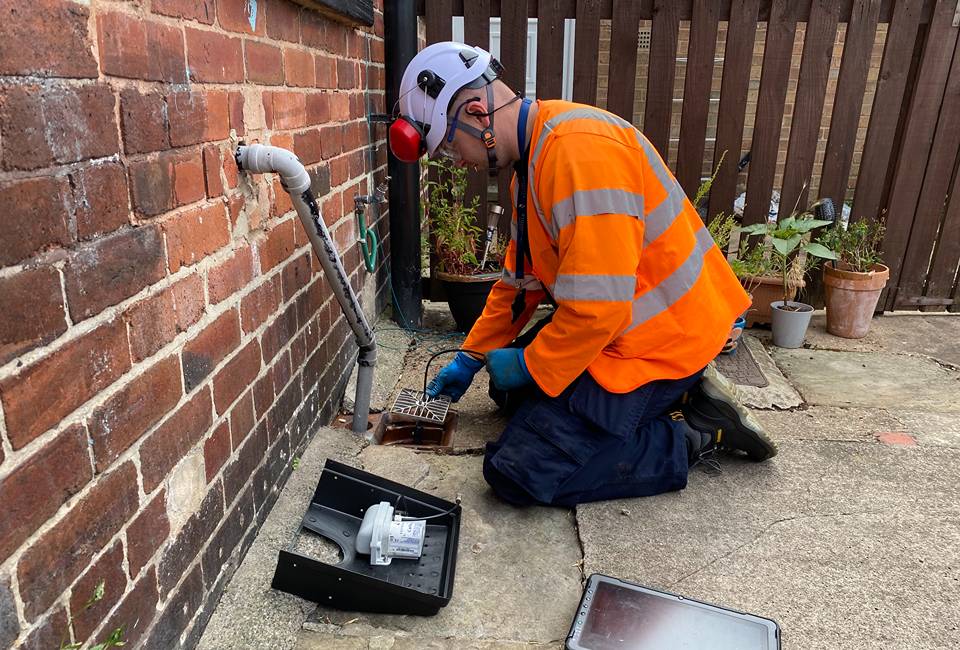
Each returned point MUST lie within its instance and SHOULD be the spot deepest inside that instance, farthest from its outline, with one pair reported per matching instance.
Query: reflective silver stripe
(588, 203)
(663, 216)
(675, 286)
(605, 288)
(530, 283)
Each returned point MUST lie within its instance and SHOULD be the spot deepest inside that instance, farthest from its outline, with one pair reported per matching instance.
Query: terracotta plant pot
(764, 291)
(852, 298)
(467, 295)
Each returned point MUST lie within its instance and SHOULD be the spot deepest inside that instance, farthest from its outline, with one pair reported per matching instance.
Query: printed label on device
(406, 538)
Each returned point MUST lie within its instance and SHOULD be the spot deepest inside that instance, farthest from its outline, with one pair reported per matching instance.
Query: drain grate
(415, 404)
(741, 368)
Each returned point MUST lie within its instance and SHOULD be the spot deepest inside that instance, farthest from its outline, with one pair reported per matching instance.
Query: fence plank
(439, 20)
(586, 48)
(476, 31)
(943, 269)
(663, 59)
(936, 184)
(848, 100)
(818, 44)
(513, 55)
(917, 141)
(885, 113)
(622, 76)
(696, 93)
(549, 49)
(737, 60)
(777, 54)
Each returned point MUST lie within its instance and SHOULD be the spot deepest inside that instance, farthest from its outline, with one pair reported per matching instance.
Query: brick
(49, 38)
(298, 67)
(264, 63)
(339, 107)
(346, 74)
(296, 275)
(128, 414)
(238, 474)
(281, 203)
(298, 350)
(43, 394)
(33, 291)
(278, 246)
(137, 610)
(214, 58)
(188, 178)
(208, 348)
(195, 234)
(50, 564)
(34, 491)
(198, 117)
(235, 107)
(87, 616)
(282, 372)
(147, 533)
(313, 29)
(318, 108)
(326, 71)
(140, 49)
(279, 333)
(151, 185)
(177, 613)
(263, 394)
(143, 118)
(216, 450)
(308, 146)
(157, 320)
(221, 547)
(212, 162)
(100, 200)
(230, 276)
(331, 140)
(241, 419)
(283, 21)
(285, 109)
(236, 16)
(190, 540)
(284, 408)
(109, 270)
(49, 634)
(200, 10)
(336, 38)
(257, 305)
(173, 439)
(234, 377)
(9, 621)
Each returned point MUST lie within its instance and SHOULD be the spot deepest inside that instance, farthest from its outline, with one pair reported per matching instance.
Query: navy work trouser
(588, 444)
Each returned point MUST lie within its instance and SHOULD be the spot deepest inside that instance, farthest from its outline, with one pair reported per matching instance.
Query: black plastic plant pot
(467, 295)
(406, 586)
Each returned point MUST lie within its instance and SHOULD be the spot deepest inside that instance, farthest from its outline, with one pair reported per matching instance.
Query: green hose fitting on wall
(369, 246)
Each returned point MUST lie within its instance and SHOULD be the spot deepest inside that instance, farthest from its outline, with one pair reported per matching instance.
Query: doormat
(741, 368)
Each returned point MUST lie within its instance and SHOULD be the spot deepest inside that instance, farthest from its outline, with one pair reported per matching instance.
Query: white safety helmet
(431, 80)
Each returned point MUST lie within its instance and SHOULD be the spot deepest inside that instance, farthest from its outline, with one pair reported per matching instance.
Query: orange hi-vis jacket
(642, 292)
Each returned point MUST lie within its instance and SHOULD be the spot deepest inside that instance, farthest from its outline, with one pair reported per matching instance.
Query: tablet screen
(624, 619)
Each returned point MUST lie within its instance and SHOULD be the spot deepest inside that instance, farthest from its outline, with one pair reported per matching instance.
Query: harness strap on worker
(523, 242)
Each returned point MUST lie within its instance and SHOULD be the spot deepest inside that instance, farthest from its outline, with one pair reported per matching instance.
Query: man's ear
(477, 109)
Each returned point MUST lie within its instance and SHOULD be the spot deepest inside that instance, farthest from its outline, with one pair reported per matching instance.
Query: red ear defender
(407, 139)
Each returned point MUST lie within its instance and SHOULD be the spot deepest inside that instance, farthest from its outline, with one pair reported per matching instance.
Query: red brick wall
(168, 342)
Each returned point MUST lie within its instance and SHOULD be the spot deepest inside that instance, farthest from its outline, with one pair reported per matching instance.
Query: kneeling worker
(611, 395)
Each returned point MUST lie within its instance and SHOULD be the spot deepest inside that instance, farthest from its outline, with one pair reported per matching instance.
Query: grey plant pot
(790, 327)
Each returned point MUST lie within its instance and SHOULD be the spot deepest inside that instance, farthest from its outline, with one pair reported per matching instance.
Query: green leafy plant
(792, 252)
(858, 245)
(458, 239)
(114, 640)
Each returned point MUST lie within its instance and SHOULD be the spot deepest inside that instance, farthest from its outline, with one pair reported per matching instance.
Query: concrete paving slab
(779, 394)
(326, 641)
(250, 614)
(931, 428)
(828, 423)
(871, 379)
(509, 559)
(828, 538)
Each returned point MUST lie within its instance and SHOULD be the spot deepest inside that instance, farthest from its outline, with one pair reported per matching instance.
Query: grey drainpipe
(258, 158)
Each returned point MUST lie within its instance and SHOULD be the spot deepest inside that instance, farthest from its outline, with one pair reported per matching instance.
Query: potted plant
(792, 255)
(853, 282)
(458, 241)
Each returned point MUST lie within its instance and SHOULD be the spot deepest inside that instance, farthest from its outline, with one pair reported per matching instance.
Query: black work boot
(711, 407)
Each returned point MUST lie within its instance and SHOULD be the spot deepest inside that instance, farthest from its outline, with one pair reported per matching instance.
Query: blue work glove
(454, 378)
(507, 368)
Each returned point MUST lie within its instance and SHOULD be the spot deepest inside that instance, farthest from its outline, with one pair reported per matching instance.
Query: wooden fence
(909, 157)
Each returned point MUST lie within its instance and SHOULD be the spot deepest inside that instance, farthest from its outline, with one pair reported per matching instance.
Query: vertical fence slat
(917, 141)
(476, 31)
(737, 63)
(848, 100)
(696, 93)
(936, 183)
(821, 34)
(439, 20)
(586, 48)
(513, 55)
(777, 55)
(663, 58)
(549, 49)
(943, 269)
(622, 77)
(885, 113)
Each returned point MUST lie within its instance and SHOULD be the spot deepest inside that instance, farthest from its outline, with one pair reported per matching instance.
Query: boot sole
(745, 435)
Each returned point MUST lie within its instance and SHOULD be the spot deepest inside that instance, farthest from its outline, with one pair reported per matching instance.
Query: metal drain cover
(415, 404)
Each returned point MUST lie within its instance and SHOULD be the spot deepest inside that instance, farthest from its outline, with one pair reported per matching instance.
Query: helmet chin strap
(486, 135)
